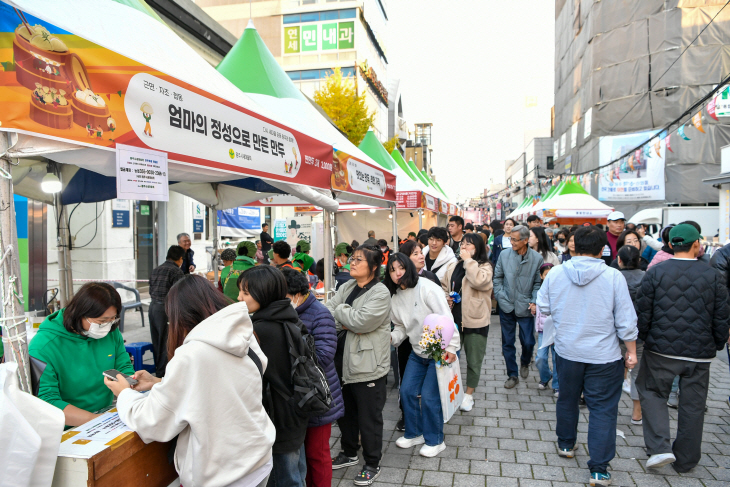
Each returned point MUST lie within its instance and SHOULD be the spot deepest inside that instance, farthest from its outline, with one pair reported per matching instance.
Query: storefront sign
(141, 174)
(639, 178)
(443, 207)
(315, 37)
(429, 202)
(239, 222)
(120, 213)
(198, 218)
(46, 90)
(279, 232)
(408, 199)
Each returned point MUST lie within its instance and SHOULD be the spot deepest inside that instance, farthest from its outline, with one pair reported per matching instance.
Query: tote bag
(450, 388)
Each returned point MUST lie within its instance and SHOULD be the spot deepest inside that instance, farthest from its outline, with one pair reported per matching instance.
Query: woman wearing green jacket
(77, 344)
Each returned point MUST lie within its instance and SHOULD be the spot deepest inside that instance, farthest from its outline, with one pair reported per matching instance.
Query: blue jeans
(290, 469)
(600, 385)
(542, 362)
(425, 418)
(527, 338)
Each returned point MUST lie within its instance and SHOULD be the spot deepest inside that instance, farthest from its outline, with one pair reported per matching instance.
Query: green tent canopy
(433, 184)
(439, 188)
(398, 158)
(415, 171)
(250, 66)
(142, 6)
(371, 146)
(571, 187)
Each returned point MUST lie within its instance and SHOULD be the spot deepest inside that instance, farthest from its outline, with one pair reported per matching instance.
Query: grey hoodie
(591, 310)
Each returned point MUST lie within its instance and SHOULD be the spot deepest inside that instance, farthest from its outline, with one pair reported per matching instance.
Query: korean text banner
(409, 200)
(239, 222)
(638, 177)
(56, 84)
(355, 176)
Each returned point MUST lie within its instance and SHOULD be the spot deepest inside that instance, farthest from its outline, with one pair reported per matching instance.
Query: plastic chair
(137, 304)
(137, 350)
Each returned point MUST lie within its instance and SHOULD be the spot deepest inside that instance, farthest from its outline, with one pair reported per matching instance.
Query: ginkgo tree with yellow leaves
(345, 107)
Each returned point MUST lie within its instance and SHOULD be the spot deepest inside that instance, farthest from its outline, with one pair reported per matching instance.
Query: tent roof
(142, 6)
(252, 68)
(371, 146)
(398, 158)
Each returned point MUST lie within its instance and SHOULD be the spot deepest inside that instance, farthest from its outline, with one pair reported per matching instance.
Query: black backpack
(312, 396)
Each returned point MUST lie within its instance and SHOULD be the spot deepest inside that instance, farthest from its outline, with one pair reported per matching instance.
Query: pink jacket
(539, 320)
(660, 257)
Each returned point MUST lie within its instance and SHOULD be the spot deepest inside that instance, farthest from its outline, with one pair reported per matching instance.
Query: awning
(86, 81)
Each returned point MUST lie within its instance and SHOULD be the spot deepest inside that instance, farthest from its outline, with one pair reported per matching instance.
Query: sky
(468, 66)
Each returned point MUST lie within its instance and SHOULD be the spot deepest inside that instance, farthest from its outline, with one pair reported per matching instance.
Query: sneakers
(556, 393)
(404, 442)
(511, 382)
(543, 385)
(432, 451)
(401, 424)
(467, 403)
(659, 460)
(567, 452)
(343, 461)
(524, 371)
(367, 475)
(637, 422)
(626, 387)
(601, 479)
(673, 401)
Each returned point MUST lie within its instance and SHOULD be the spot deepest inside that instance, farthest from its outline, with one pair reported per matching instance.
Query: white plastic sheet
(30, 434)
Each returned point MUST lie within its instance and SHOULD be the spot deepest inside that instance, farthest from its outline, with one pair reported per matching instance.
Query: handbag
(450, 388)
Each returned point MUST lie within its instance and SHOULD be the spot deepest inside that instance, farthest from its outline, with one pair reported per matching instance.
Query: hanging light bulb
(354, 213)
(372, 210)
(50, 183)
(390, 216)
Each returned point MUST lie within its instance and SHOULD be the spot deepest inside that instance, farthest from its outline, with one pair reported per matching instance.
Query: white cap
(616, 215)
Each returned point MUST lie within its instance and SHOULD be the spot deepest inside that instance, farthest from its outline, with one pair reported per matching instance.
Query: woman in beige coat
(471, 279)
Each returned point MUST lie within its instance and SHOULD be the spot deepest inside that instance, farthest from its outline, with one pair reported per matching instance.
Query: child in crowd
(542, 353)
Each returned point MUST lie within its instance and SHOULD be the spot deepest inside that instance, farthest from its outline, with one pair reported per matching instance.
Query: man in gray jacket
(516, 282)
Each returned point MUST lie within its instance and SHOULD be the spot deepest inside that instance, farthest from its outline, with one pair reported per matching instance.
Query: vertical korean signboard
(316, 37)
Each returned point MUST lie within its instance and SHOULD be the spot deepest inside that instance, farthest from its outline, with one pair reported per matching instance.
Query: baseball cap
(683, 234)
(616, 215)
(304, 246)
(411, 233)
(341, 248)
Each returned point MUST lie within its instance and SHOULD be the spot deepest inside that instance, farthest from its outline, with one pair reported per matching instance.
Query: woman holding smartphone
(211, 393)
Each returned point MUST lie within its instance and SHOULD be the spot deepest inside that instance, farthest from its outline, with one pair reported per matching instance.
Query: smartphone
(111, 374)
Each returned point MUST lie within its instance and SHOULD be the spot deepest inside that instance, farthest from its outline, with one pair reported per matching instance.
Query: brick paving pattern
(508, 439)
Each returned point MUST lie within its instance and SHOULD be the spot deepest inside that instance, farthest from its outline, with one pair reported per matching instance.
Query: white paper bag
(548, 332)
(450, 388)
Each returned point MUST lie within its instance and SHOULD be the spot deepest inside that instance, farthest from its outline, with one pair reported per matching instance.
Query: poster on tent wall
(453, 210)
(443, 207)
(298, 228)
(58, 85)
(241, 222)
(352, 175)
(429, 202)
(408, 200)
(639, 177)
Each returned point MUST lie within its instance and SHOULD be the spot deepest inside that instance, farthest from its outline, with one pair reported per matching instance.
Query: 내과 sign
(315, 37)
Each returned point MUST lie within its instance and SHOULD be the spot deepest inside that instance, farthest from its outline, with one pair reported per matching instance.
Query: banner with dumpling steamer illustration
(56, 84)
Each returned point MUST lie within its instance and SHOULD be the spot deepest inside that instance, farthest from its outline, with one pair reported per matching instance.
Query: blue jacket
(320, 324)
(496, 249)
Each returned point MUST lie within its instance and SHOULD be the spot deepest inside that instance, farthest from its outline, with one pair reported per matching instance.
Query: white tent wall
(355, 227)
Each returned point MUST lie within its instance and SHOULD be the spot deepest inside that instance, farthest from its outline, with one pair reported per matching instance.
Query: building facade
(623, 71)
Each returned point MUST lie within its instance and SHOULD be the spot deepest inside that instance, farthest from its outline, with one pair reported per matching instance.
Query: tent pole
(328, 254)
(63, 295)
(420, 219)
(64, 241)
(394, 212)
(12, 318)
(214, 257)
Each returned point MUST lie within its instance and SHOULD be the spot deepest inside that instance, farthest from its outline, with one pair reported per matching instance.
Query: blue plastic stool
(137, 351)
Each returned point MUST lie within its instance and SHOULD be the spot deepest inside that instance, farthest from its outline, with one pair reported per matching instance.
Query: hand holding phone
(111, 374)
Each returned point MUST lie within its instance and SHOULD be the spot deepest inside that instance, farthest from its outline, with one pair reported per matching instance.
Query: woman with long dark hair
(264, 290)
(77, 344)
(471, 279)
(414, 298)
(211, 394)
(502, 241)
(632, 238)
(411, 249)
(361, 308)
(538, 241)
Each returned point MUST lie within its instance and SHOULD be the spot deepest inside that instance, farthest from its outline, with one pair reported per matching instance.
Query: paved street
(509, 440)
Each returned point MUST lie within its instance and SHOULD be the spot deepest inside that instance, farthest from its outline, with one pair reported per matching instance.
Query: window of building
(550, 163)
(311, 74)
(349, 13)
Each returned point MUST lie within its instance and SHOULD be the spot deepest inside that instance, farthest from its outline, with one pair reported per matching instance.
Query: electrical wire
(96, 225)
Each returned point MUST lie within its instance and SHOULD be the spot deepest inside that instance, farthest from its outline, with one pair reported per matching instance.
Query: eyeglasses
(356, 260)
(111, 321)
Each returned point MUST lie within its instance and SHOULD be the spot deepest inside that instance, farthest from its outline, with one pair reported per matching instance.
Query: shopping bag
(548, 332)
(450, 388)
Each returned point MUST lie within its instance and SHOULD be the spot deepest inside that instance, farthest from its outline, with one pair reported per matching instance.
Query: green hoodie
(74, 365)
(229, 275)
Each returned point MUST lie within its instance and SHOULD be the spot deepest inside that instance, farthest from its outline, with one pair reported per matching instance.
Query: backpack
(312, 396)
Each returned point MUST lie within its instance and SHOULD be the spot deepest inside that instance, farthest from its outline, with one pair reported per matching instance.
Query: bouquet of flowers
(432, 343)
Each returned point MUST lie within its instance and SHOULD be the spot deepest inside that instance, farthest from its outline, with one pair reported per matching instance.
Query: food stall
(569, 204)
(91, 107)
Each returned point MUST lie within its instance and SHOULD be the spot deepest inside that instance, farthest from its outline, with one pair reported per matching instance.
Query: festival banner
(239, 222)
(642, 180)
(453, 210)
(56, 84)
(409, 200)
(443, 207)
(352, 175)
(429, 202)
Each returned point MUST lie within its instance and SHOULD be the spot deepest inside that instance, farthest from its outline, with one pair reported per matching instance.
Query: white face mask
(99, 330)
(383, 249)
(295, 305)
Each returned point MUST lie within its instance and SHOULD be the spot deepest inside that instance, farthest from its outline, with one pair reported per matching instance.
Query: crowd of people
(253, 371)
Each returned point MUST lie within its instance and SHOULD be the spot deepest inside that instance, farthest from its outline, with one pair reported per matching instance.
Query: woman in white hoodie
(414, 298)
(210, 395)
(439, 255)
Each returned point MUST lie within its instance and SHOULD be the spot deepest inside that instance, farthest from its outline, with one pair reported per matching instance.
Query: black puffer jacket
(721, 261)
(682, 308)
